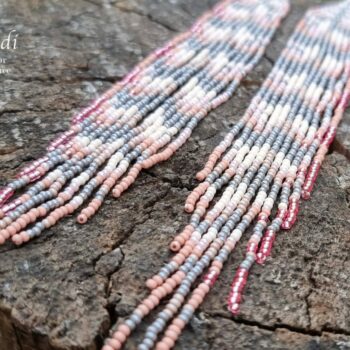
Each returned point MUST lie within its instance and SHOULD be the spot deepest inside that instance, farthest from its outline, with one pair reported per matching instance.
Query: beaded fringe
(268, 160)
(141, 120)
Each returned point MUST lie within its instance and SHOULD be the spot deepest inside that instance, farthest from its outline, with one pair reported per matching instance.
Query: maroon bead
(238, 280)
(210, 278)
(235, 298)
(5, 194)
(241, 272)
(305, 194)
(252, 247)
(235, 295)
(234, 308)
(261, 258)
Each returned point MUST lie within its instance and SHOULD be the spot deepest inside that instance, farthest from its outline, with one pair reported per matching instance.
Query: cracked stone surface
(65, 289)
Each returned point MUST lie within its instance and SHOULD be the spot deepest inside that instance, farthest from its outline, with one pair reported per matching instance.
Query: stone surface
(65, 289)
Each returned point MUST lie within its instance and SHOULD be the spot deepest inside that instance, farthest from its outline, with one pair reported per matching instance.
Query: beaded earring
(270, 158)
(141, 120)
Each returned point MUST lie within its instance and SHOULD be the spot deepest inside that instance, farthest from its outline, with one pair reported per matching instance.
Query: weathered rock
(109, 263)
(64, 289)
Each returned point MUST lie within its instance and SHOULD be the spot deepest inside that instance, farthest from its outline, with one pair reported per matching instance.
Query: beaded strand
(269, 159)
(141, 120)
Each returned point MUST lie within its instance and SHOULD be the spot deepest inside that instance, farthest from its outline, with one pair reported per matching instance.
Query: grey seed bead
(130, 324)
(246, 265)
(148, 342)
(197, 270)
(36, 230)
(163, 316)
(151, 336)
(159, 324)
(41, 225)
(30, 233)
(250, 259)
(166, 270)
(142, 347)
(182, 290)
(135, 318)
(153, 328)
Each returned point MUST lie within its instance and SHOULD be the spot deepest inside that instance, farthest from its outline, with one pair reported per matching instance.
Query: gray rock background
(65, 289)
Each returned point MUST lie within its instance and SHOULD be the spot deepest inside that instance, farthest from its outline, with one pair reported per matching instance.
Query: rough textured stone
(64, 289)
(109, 262)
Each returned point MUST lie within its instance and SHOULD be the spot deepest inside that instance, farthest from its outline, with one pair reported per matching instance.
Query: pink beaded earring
(269, 159)
(141, 120)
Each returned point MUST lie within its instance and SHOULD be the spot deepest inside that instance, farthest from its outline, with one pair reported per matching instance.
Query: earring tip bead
(17, 239)
(234, 309)
(305, 195)
(151, 284)
(82, 219)
(189, 208)
(175, 246)
(200, 176)
(116, 193)
(261, 258)
(286, 225)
